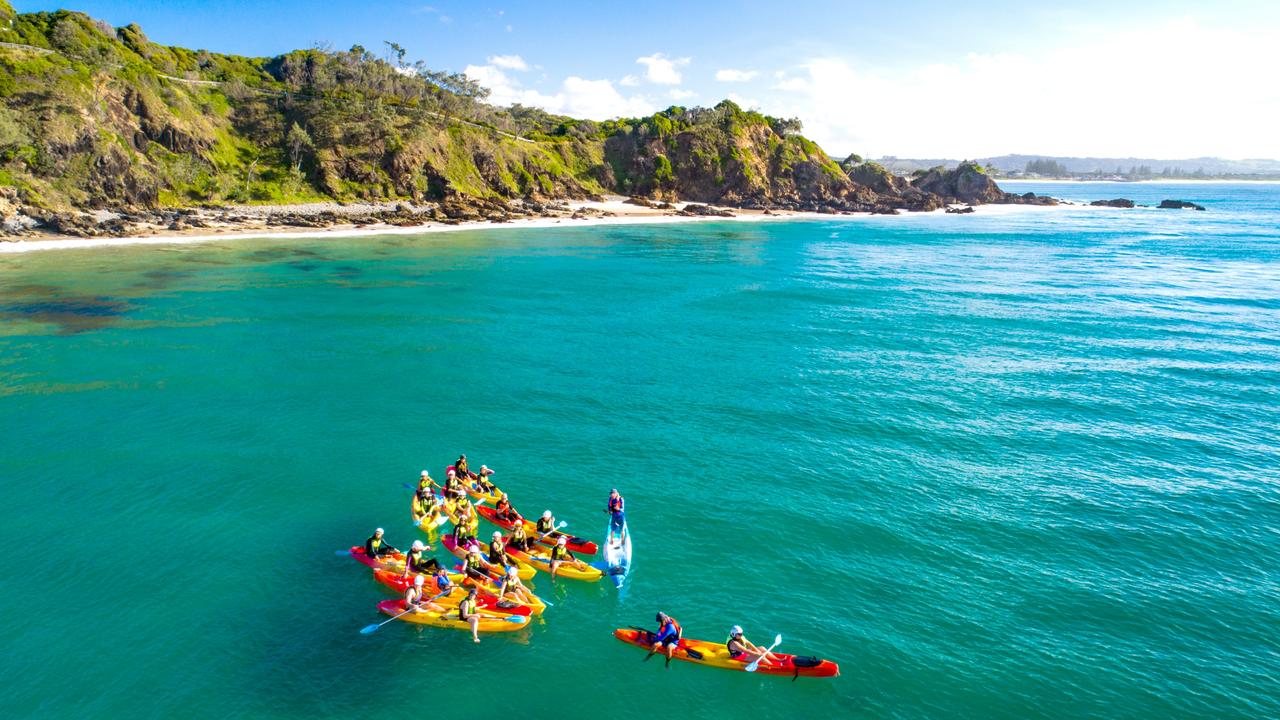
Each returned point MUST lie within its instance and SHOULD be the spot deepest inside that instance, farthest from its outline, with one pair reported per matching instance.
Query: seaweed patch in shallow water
(73, 314)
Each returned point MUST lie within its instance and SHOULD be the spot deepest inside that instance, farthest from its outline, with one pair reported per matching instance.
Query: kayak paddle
(367, 629)
(752, 667)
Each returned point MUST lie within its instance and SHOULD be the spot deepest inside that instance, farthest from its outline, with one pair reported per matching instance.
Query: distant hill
(1012, 165)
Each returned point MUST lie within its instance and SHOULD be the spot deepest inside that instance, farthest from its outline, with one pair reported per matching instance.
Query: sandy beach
(612, 211)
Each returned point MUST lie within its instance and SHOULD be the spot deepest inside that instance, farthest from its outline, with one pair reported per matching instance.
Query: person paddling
(560, 554)
(376, 546)
(504, 512)
(461, 467)
(668, 637)
(740, 648)
(498, 553)
(415, 598)
(482, 481)
(475, 566)
(453, 485)
(546, 523)
(465, 530)
(617, 516)
(425, 482)
(513, 588)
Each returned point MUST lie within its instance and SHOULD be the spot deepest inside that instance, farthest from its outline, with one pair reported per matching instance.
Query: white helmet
(417, 581)
(379, 531)
(417, 545)
(735, 630)
(547, 514)
(497, 535)
(563, 540)
(426, 474)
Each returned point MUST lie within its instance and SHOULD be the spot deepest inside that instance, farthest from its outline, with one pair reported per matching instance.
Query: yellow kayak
(488, 623)
(540, 558)
(524, 570)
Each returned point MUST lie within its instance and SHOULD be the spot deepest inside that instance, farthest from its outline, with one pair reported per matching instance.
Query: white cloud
(578, 97)
(743, 102)
(629, 81)
(1170, 90)
(662, 70)
(678, 94)
(731, 75)
(509, 62)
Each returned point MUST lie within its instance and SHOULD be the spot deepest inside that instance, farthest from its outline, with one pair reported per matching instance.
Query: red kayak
(486, 601)
(699, 652)
(576, 544)
(357, 552)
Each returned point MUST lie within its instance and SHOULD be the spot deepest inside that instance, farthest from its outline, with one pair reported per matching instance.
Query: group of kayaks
(466, 498)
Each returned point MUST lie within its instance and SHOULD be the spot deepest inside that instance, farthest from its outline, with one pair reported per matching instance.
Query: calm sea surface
(1019, 464)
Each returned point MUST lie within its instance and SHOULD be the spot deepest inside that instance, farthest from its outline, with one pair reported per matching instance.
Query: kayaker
(503, 510)
(415, 598)
(417, 561)
(546, 523)
(482, 482)
(453, 485)
(617, 515)
(376, 546)
(510, 586)
(740, 648)
(425, 481)
(668, 637)
(443, 584)
(465, 529)
(461, 468)
(519, 538)
(469, 612)
(560, 554)
(475, 566)
(498, 553)
(424, 501)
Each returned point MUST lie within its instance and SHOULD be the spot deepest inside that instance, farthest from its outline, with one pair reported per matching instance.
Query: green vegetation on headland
(96, 117)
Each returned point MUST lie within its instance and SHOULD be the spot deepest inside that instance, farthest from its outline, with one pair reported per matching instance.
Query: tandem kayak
(576, 544)
(711, 654)
(486, 600)
(524, 570)
(540, 559)
(506, 623)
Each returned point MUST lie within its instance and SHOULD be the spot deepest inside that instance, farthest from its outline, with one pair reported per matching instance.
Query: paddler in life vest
(498, 559)
(425, 481)
(560, 554)
(465, 530)
(511, 587)
(417, 561)
(740, 648)
(482, 481)
(668, 637)
(617, 516)
(444, 585)
(461, 467)
(469, 612)
(415, 598)
(423, 506)
(546, 524)
(519, 538)
(376, 546)
(503, 510)
(453, 485)
(474, 565)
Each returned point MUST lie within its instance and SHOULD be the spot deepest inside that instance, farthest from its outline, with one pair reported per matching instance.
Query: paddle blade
(517, 619)
(342, 553)
(369, 628)
(777, 640)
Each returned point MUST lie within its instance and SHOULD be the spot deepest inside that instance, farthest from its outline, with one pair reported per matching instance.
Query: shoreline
(609, 212)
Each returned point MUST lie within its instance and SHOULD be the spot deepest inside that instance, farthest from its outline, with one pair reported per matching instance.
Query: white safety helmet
(379, 531)
(563, 540)
(497, 535)
(735, 630)
(417, 545)
(417, 581)
(547, 514)
(426, 474)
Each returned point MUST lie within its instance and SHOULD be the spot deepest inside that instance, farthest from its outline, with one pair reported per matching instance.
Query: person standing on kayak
(375, 547)
(560, 554)
(740, 648)
(617, 516)
(667, 639)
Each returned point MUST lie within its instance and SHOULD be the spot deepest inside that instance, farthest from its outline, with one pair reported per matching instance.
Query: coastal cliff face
(101, 118)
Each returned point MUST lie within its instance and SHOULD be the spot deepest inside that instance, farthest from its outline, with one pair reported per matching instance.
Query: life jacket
(497, 554)
(671, 622)
(375, 545)
(462, 533)
(460, 468)
(729, 643)
(615, 504)
(443, 583)
(412, 596)
(416, 562)
(466, 607)
(474, 563)
(559, 553)
(544, 525)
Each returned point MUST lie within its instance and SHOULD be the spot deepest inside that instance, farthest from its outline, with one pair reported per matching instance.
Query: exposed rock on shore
(1116, 203)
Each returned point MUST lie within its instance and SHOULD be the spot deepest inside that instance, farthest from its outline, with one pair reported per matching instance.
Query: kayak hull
(486, 600)
(716, 655)
(575, 544)
(450, 620)
(617, 558)
(542, 562)
(524, 570)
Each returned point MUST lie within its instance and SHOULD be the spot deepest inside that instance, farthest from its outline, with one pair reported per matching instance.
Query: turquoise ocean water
(1018, 464)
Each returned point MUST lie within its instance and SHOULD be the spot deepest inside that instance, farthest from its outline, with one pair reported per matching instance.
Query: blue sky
(910, 78)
